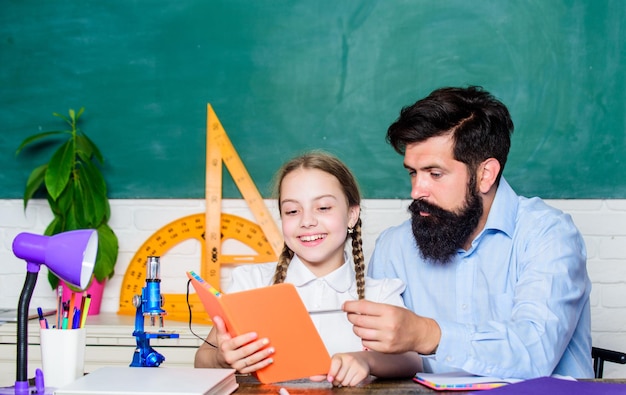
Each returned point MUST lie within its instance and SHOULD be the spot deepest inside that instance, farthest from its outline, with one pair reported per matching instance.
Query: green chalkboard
(288, 76)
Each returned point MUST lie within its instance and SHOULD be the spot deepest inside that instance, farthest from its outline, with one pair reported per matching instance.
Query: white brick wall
(602, 222)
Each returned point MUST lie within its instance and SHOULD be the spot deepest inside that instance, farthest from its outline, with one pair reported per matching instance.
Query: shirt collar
(340, 279)
(503, 211)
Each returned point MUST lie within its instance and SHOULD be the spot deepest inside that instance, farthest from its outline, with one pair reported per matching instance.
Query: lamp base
(34, 386)
(30, 390)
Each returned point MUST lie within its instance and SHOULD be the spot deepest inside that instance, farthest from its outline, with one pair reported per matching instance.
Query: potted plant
(75, 189)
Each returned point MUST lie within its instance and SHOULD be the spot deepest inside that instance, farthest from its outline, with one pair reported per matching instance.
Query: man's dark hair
(480, 125)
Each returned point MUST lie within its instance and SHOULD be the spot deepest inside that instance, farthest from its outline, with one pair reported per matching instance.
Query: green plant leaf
(87, 149)
(95, 198)
(64, 208)
(73, 219)
(82, 204)
(61, 206)
(107, 253)
(60, 169)
(94, 192)
(53, 280)
(93, 148)
(54, 227)
(83, 148)
(107, 212)
(39, 136)
(34, 182)
(63, 117)
(96, 180)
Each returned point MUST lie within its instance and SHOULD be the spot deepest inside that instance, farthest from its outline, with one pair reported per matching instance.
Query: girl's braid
(359, 259)
(283, 264)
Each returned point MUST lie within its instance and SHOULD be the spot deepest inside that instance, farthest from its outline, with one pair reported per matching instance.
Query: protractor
(176, 232)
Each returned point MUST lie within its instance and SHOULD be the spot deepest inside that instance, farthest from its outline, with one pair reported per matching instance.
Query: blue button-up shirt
(516, 304)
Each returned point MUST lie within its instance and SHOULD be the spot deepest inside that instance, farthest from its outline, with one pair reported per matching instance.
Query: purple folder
(554, 386)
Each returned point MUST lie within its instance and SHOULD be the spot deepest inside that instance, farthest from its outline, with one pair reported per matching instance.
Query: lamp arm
(22, 329)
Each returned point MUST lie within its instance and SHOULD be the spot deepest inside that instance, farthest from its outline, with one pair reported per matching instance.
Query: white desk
(110, 341)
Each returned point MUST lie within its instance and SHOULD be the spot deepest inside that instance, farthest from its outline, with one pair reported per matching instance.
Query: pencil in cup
(43, 322)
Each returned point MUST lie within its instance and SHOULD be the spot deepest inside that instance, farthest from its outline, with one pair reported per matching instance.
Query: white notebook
(114, 380)
(10, 315)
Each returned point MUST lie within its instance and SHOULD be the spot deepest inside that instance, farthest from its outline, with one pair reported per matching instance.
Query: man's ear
(487, 174)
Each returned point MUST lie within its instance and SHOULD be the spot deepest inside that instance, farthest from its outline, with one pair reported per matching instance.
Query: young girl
(319, 205)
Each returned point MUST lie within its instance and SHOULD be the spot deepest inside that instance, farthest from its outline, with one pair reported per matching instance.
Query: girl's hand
(245, 353)
(346, 369)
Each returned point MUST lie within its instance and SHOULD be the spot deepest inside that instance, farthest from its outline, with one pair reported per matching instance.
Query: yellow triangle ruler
(211, 229)
(220, 148)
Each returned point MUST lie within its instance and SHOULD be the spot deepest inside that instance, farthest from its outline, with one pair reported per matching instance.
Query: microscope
(150, 303)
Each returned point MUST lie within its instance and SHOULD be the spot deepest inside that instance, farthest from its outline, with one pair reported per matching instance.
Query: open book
(276, 313)
(459, 381)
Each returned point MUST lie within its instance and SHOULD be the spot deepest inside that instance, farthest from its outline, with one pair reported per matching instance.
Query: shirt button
(464, 306)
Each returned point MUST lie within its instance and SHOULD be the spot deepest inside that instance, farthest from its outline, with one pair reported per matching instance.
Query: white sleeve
(251, 276)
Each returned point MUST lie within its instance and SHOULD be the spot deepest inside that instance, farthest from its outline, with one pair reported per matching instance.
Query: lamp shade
(69, 255)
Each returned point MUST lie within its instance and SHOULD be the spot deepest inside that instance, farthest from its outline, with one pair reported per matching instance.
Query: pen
(64, 324)
(60, 306)
(43, 324)
(72, 304)
(82, 302)
(76, 319)
(85, 311)
(65, 315)
(326, 311)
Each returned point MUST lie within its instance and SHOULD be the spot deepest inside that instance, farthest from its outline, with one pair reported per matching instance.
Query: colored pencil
(85, 311)
(60, 306)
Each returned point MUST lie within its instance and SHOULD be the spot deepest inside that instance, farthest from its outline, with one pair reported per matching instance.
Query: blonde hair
(333, 166)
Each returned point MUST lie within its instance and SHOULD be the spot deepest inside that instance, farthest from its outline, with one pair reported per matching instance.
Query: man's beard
(440, 234)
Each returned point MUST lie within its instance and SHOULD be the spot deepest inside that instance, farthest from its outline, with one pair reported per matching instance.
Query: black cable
(191, 330)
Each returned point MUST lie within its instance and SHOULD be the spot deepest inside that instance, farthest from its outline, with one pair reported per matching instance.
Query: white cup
(62, 355)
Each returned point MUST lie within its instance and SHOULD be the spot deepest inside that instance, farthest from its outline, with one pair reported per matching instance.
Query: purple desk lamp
(71, 257)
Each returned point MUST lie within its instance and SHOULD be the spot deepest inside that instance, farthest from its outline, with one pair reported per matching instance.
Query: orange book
(276, 313)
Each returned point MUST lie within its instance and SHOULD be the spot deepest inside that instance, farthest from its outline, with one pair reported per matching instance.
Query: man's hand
(392, 329)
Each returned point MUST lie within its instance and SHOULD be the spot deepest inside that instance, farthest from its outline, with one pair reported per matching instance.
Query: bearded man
(497, 283)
